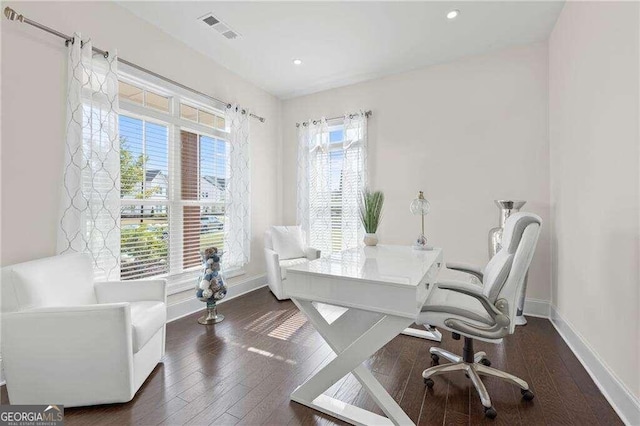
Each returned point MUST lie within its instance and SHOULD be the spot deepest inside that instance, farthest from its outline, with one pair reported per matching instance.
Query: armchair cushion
(131, 291)
(146, 319)
(54, 281)
(288, 263)
(288, 242)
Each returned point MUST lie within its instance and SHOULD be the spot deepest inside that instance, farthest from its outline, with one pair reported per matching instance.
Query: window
(203, 117)
(174, 175)
(332, 161)
(144, 178)
(335, 161)
(203, 183)
(132, 93)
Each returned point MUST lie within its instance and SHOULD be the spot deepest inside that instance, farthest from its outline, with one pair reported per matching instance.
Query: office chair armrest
(473, 291)
(498, 313)
(469, 269)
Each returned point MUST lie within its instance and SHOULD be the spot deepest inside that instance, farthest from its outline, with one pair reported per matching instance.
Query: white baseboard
(187, 307)
(623, 401)
(537, 308)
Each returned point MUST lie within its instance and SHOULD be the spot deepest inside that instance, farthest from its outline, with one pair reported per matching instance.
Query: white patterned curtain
(314, 190)
(90, 205)
(237, 226)
(354, 177)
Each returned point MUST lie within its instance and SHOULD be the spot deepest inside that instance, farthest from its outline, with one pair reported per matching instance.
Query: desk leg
(351, 353)
(428, 334)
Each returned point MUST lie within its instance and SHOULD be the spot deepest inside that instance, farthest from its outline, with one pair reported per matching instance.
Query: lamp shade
(420, 206)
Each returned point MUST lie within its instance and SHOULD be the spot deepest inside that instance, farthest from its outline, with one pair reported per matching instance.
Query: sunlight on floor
(270, 355)
(264, 322)
(287, 329)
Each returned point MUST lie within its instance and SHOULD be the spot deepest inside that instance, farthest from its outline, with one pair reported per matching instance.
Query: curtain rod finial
(12, 15)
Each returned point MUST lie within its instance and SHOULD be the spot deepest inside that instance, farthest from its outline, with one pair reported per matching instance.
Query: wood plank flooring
(242, 371)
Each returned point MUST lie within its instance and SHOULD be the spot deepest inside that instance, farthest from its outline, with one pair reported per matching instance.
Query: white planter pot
(370, 239)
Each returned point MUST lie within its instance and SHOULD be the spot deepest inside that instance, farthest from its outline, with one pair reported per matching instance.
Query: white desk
(383, 289)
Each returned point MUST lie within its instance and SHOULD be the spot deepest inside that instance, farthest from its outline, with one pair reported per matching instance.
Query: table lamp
(420, 206)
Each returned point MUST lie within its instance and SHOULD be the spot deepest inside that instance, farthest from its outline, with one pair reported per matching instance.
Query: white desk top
(400, 265)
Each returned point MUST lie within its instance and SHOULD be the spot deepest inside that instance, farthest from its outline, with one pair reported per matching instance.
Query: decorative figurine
(211, 286)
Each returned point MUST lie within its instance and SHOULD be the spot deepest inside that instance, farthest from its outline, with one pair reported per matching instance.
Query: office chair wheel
(428, 382)
(485, 361)
(527, 395)
(490, 412)
(435, 358)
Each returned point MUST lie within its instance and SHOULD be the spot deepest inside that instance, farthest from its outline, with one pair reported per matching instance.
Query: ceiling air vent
(210, 20)
(219, 26)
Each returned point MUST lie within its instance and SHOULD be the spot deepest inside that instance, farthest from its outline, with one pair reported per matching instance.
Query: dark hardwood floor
(242, 371)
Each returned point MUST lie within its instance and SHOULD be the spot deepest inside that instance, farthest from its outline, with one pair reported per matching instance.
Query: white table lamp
(420, 206)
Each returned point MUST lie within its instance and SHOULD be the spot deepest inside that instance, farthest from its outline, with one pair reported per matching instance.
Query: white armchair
(68, 340)
(289, 250)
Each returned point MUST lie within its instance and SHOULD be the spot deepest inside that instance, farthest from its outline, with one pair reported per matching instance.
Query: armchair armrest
(131, 291)
(312, 253)
(70, 345)
(273, 266)
(498, 312)
(469, 269)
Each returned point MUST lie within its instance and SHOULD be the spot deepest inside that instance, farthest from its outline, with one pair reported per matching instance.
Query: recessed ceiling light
(297, 61)
(453, 14)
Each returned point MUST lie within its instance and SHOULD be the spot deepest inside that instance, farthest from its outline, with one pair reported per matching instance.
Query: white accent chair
(67, 340)
(279, 257)
(486, 312)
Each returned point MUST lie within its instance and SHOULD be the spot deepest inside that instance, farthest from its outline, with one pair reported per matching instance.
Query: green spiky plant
(370, 207)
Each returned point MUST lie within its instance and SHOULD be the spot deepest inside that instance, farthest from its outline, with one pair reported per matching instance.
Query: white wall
(33, 116)
(465, 132)
(595, 173)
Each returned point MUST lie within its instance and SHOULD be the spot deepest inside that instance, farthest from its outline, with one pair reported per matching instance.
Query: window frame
(185, 279)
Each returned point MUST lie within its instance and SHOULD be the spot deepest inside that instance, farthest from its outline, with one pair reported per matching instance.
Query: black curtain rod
(12, 15)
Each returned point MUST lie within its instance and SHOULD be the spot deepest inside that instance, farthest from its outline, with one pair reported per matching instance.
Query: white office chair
(484, 312)
(284, 247)
(67, 340)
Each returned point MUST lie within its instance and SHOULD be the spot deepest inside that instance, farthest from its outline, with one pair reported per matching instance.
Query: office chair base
(436, 353)
(474, 370)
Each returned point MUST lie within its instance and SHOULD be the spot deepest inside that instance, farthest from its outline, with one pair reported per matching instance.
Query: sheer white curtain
(237, 226)
(90, 205)
(354, 177)
(314, 191)
(331, 175)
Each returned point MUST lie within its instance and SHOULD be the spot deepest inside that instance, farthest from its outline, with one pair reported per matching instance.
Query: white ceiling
(343, 43)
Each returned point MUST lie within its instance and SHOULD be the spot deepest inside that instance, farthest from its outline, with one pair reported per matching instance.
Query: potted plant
(370, 207)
